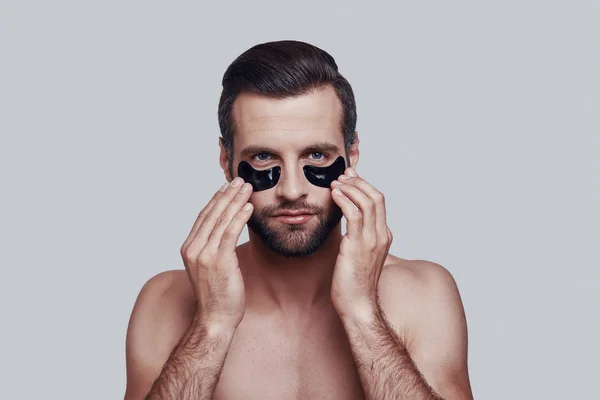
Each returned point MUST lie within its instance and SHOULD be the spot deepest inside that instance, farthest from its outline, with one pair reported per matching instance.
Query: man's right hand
(210, 259)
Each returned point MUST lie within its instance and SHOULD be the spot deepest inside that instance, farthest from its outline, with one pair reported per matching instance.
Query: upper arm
(435, 326)
(156, 324)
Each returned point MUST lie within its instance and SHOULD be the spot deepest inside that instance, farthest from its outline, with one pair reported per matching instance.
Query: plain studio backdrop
(480, 121)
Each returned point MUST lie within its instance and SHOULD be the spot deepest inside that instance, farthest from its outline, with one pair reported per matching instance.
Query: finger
(231, 235)
(202, 215)
(365, 204)
(214, 214)
(376, 196)
(230, 212)
(352, 214)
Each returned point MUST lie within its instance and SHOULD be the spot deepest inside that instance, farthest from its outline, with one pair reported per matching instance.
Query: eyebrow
(320, 147)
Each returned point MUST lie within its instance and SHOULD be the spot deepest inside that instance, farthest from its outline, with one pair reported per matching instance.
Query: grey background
(484, 117)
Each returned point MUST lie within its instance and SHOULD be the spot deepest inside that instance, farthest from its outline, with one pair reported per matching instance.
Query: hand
(210, 259)
(364, 247)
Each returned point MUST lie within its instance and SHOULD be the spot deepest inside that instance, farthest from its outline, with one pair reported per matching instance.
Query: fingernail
(351, 172)
(337, 191)
(222, 189)
(247, 206)
(342, 177)
(245, 187)
(335, 183)
(236, 182)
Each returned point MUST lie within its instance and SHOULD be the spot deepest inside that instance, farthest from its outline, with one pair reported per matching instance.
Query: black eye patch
(268, 178)
(323, 176)
(260, 180)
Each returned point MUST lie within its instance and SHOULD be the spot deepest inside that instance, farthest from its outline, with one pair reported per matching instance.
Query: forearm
(194, 366)
(384, 365)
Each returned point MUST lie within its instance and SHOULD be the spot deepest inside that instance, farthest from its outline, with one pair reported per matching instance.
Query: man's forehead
(317, 112)
(286, 124)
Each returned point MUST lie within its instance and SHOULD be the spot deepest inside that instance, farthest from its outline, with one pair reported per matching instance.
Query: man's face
(290, 133)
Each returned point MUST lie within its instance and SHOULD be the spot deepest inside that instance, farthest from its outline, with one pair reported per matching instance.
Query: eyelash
(325, 156)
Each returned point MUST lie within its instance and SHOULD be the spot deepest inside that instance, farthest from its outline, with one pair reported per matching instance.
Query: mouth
(293, 218)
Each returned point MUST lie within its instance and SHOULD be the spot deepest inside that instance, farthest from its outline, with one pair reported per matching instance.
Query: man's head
(285, 104)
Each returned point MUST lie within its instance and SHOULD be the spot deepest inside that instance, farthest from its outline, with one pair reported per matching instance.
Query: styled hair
(281, 69)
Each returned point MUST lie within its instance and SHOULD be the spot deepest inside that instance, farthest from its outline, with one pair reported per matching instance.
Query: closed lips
(293, 213)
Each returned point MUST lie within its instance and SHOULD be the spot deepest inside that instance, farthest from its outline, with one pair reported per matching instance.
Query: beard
(295, 240)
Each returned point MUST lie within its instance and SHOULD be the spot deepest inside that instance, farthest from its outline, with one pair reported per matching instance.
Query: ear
(224, 160)
(354, 153)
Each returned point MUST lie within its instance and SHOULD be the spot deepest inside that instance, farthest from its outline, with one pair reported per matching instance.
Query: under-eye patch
(323, 176)
(268, 178)
(260, 180)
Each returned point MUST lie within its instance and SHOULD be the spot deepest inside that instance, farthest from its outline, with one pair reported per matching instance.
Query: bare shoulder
(162, 313)
(398, 271)
(420, 299)
(412, 291)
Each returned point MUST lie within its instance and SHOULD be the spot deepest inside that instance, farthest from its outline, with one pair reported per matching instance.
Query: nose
(292, 184)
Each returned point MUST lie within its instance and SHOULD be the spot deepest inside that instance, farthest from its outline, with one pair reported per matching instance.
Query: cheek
(261, 199)
(322, 197)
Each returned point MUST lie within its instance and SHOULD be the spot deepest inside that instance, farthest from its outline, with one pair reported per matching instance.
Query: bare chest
(267, 362)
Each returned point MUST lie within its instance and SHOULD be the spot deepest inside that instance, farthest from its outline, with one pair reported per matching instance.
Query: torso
(270, 358)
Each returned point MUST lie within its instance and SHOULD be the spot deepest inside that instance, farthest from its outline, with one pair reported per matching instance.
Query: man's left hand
(364, 247)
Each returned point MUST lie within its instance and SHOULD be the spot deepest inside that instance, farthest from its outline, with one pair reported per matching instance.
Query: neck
(290, 285)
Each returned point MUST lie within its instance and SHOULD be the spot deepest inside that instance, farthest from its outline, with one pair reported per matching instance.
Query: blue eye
(257, 156)
(322, 156)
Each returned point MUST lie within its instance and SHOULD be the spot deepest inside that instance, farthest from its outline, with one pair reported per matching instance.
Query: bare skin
(275, 355)
(276, 330)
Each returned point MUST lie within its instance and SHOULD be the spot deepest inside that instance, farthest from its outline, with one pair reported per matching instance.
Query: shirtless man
(300, 311)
